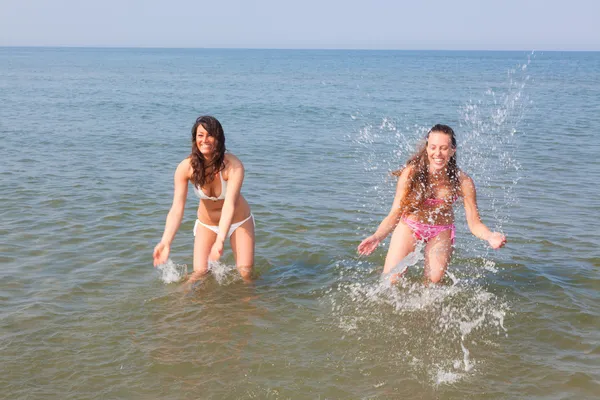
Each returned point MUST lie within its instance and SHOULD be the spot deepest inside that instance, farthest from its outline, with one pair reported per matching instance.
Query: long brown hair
(419, 189)
(203, 170)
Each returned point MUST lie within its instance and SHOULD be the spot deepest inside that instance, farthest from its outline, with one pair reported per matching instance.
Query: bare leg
(203, 242)
(437, 256)
(402, 244)
(242, 244)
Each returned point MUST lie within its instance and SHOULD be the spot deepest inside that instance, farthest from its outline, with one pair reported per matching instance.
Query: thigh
(242, 245)
(203, 242)
(402, 244)
(437, 255)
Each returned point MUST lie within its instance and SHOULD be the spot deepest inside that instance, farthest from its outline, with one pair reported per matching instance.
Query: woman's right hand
(496, 240)
(368, 245)
(161, 253)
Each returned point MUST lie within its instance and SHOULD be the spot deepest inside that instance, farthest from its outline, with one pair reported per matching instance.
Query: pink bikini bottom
(425, 231)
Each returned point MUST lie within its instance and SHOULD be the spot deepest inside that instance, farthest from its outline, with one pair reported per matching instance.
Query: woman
(428, 186)
(222, 213)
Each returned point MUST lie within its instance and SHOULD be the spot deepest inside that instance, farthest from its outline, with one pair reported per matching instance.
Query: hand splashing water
(171, 272)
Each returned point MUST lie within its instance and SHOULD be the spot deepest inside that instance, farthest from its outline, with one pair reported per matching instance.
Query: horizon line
(285, 48)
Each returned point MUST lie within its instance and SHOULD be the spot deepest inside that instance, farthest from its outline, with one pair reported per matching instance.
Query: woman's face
(439, 150)
(205, 142)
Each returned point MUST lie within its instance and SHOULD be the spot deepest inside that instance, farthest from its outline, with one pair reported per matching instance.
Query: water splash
(489, 129)
(433, 330)
(223, 273)
(411, 259)
(171, 272)
(446, 377)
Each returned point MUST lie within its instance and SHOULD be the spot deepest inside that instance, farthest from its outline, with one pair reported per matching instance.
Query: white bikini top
(203, 196)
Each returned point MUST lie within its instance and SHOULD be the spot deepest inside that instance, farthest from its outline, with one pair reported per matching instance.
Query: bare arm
(477, 228)
(234, 187)
(175, 215)
(391, 220)
(388, 224)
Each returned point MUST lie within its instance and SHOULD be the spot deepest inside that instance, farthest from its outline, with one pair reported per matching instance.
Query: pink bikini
(426, 232)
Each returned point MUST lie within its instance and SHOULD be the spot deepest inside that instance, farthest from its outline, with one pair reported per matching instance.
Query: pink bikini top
(435, 201)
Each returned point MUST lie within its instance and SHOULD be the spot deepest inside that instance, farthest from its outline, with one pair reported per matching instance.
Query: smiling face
(206, 143)
(439, 150)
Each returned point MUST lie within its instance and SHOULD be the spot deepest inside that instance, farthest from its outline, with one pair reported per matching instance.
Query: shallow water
(91, 138)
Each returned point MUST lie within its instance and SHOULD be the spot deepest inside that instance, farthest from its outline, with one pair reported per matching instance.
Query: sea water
(90, 142)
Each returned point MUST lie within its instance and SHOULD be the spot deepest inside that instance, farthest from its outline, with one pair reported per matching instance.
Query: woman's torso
(437, 208)
(209, 209)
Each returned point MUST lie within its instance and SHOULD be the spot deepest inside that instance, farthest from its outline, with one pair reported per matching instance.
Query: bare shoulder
(467, 185)
(406, 172)
(464, 178)
(184, 169)
(232, 162)
(233, 166)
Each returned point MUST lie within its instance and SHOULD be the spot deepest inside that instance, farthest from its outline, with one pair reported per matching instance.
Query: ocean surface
(90, 139)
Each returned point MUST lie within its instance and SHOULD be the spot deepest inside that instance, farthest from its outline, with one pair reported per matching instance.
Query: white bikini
(203, 196)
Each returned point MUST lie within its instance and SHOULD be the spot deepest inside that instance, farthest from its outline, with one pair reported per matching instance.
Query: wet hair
(419, 189)
(204, 170)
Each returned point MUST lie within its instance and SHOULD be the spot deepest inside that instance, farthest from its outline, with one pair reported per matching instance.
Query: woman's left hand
(368, 245)
(216, 251)
(496, 240)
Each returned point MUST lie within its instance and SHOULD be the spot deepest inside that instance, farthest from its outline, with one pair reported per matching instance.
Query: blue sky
(367, 24)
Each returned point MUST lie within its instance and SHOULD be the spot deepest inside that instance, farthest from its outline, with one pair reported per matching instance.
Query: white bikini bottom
(215, 228)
